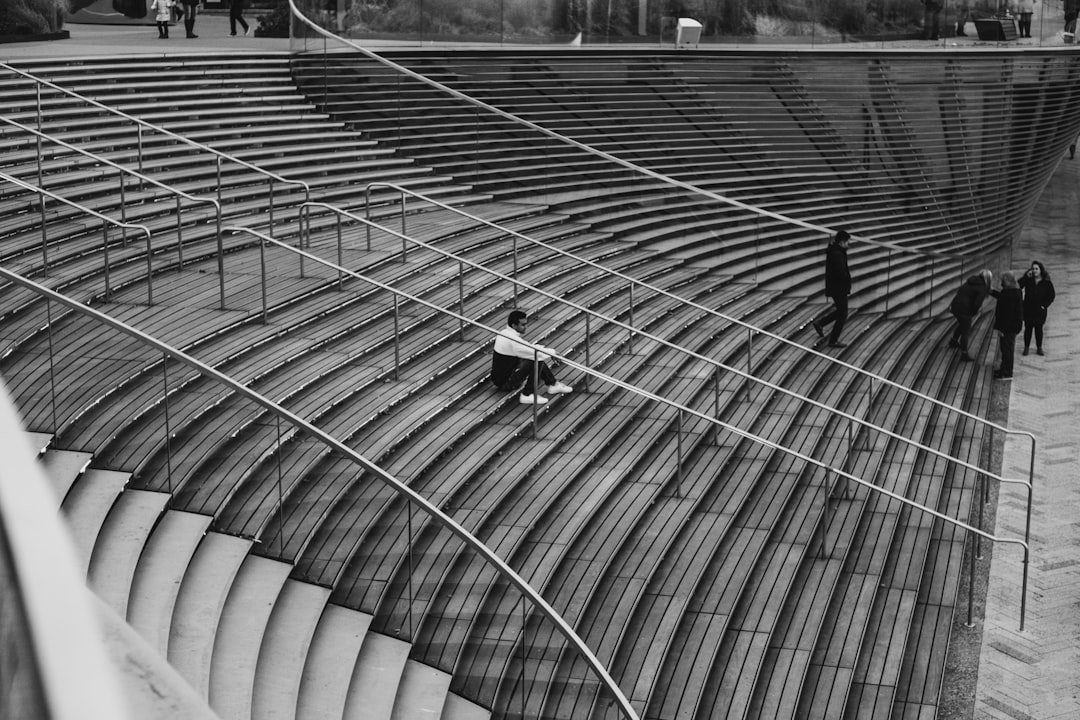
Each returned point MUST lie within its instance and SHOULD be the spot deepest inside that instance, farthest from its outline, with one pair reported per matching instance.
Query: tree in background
(32, 17)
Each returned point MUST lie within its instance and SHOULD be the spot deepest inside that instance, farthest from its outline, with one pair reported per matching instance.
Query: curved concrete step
(244, 621)
(199, 605)
(87, 506)
(376, 677)
(458, 708)
(422, 692)
(160, 571)
(119, 544)
(285, 649)
(331, 660)
(63, 467)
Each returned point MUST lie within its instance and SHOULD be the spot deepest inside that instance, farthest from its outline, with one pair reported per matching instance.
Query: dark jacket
(837, 277)
(1037, 297)
(969, 297)
(1009, 314)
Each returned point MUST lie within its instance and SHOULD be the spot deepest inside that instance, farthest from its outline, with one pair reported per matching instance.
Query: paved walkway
(1036, 673)
(1033, 675)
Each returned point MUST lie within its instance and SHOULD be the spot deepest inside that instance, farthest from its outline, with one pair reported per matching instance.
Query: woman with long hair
(1038, 294)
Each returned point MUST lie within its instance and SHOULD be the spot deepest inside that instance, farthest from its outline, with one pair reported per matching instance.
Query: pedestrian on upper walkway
(516, 366)
(837, 289)
(965, 306)
(162, 15)
(1038, 294)
(1008, 319)
(1024, 11)
(236, 15)
(190, 11)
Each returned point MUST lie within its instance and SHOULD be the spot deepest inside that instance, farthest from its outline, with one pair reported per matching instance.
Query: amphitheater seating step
(240, 635)
(199, 605)
(38, 441)
(159, 573)
(331, 659)
(422, 692)
(87, 505)
(120, 543)
(458, 708)
(62, 468)
(285, 648)
(376, 677)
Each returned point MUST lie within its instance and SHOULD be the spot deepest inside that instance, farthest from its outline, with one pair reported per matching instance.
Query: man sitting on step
(512, 363)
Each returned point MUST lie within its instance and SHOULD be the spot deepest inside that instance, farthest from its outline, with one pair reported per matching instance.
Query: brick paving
(1036, 673)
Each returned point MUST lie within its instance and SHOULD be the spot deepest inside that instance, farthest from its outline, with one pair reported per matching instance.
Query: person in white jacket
(163, 14)
(512, 363)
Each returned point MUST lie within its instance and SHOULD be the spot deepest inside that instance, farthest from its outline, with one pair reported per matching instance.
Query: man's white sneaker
(532, 400)
(559, 389)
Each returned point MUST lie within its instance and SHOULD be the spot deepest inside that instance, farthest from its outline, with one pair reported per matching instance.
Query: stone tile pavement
(1036, 673)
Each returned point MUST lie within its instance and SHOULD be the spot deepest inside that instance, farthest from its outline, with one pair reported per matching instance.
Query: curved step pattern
(87, 505)
(120, 543)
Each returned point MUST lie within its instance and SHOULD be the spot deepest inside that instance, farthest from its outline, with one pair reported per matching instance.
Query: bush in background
(31, 17)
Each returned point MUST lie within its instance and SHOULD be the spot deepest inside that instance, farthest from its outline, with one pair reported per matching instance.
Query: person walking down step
(837, 288)
(515, 365)
(965, 306)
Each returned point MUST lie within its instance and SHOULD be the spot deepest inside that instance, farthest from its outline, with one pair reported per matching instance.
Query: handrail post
(971, 588)
(179, 237)
(461, 301)
(679, 458)
(716, 404)
(105, 252)
(340, 253)
(412, 568)
(367, 215)
(630, 343)
(52, 364)
(217, 159)
(514, 285)
(822, 554)
(139, 145)
(123, 208)
(220, 258)
(262, 273)
(273, 227)
(168, 426)
(404, 245)
(44, 237)
(397, 340)
(149, 269)
(280, 494)
(749, 361)
(535, 394)
(588, 349)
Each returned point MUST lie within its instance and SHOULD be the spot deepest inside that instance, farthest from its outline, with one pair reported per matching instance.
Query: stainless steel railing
(682, 411)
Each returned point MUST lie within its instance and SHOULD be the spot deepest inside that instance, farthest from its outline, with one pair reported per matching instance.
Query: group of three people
(1020, 304)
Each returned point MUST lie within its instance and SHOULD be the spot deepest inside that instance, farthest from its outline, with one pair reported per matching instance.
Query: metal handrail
(717, 364)
(140, 123)
(696, 190)
(104, 218)
(396, 485)
(682, 410)
(67, 658)
(146, 179)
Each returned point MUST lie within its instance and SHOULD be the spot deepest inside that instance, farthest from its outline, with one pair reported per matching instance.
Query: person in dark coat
(1038, 294)
(190, 11)
(965, 306)
(837, 288)
(1008, 319)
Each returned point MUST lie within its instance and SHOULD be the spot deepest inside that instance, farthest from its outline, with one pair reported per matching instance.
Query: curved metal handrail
(396, 485)
(693, 189)
(683, 410)
(104, 218)
(140, 123)
(716, 364)
(146, 179)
